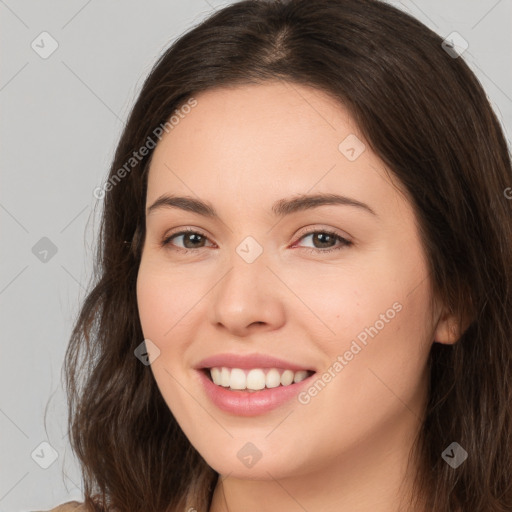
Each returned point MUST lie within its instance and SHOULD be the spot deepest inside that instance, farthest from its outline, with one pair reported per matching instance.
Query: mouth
(252, 380)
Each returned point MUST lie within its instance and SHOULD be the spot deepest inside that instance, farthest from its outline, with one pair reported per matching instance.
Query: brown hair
(426, 116)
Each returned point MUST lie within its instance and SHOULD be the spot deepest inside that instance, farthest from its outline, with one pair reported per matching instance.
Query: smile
(255, 379)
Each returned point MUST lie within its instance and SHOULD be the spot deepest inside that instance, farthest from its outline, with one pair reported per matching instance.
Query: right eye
(190, 238)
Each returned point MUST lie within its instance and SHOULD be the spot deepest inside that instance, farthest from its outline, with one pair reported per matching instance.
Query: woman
(304, 295)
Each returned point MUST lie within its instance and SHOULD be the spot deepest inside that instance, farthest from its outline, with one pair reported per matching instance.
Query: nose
(247, 299)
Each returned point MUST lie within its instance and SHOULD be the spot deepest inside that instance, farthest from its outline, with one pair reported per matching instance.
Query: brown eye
(194, 239)
(189, 238)
(325, 241)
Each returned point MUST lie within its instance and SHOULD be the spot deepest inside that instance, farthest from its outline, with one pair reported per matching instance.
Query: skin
(241, 149)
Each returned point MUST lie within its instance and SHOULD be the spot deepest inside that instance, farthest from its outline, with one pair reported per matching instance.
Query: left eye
(326, 237)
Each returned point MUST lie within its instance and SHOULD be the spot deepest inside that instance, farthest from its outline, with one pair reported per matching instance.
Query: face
(340, 289)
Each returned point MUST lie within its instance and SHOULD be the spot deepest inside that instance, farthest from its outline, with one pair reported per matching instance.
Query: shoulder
(69, 506)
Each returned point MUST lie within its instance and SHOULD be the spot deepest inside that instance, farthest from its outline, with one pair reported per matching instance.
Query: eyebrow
(280, 208)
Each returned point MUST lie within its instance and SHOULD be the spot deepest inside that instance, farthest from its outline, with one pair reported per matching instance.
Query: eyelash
(345, 243)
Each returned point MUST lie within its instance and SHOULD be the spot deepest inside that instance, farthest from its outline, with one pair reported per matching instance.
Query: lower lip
(245, 403)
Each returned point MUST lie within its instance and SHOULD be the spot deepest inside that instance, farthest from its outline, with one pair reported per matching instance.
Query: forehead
(256, 143)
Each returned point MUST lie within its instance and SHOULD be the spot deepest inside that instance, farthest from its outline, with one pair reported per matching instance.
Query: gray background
(61, 120)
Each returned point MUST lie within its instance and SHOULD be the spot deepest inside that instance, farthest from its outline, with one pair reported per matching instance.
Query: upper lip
(249, 361)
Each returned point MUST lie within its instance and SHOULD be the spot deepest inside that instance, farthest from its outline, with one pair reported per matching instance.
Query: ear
(447, 330)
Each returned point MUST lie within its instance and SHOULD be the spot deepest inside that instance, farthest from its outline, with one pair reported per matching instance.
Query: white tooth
(256, 379)
(215, 374)
(300, 375)
(272, 379)
(287, 378)
(224, 377)
(237, 379)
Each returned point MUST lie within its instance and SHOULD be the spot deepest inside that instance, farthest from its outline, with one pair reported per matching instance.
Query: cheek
(368, 385)
(164, 299)
(336, 303)
(163, 307)
(383, 298)
(376, 317)
(169, 303)
(154, 304)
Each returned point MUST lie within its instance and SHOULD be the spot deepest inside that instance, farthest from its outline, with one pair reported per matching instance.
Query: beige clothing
(69, 506)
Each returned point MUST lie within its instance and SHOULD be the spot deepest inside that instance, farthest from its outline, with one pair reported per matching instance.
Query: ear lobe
(450, 326)
(447, 330)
